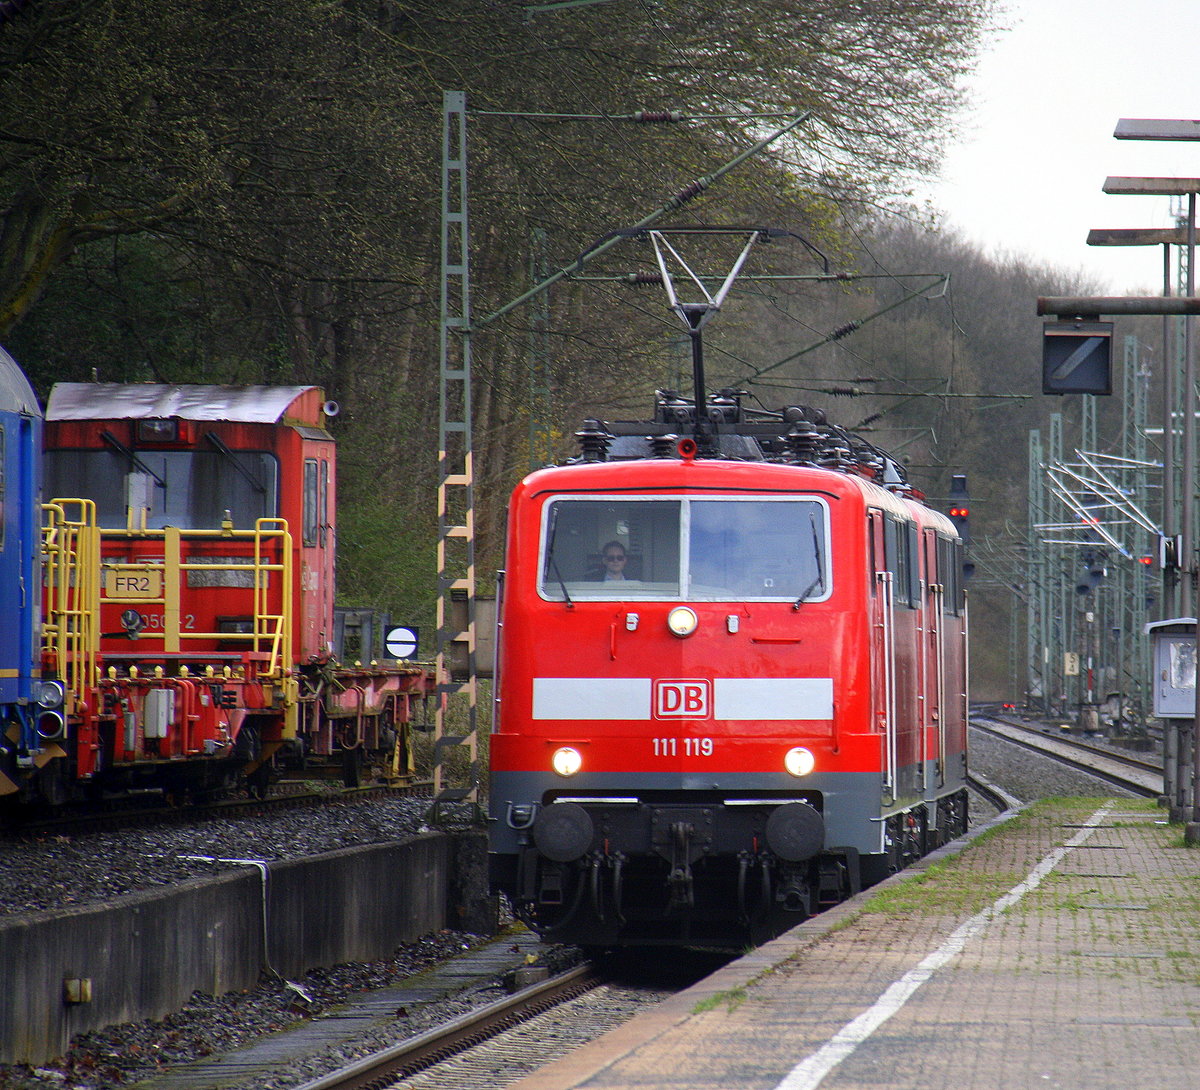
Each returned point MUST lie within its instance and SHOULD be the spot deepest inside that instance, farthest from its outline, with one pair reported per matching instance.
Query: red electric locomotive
(190, 590)
(731, 679)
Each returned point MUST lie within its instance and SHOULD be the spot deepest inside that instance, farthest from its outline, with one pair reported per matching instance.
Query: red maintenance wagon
(190, 591)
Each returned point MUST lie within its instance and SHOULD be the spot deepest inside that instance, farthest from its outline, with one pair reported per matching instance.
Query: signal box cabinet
(1174, 657)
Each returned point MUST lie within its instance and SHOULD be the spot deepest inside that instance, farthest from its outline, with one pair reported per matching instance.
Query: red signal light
(1145, 560)
(959, 512)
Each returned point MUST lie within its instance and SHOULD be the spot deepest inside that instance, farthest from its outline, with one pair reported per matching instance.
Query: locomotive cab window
(712, 549)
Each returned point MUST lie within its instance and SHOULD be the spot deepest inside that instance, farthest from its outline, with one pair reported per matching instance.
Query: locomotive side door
(883, 650)
(317, 550)
(934, 656)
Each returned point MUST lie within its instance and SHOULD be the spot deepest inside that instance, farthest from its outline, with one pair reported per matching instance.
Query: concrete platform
(1057, 949)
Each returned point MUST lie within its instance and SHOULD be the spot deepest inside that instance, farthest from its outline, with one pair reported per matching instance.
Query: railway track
(436, 1046)
(1135, 774)
(506, 1039)
(502, 1042)
(534, 1039)
(521, 1031)
(992, 795)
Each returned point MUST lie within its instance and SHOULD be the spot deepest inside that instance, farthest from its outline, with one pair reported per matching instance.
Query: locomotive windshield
(190, 489)
(716, 550)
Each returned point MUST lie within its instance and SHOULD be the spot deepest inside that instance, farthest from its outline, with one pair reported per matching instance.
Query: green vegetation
(731, 999)
(941, 888)
(948, 887)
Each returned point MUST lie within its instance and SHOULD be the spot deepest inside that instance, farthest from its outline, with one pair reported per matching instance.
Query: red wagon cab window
(191, 489)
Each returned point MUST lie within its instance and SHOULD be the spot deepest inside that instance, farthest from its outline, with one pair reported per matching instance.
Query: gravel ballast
(1030, 777)
(210, 1025)
(56, 871)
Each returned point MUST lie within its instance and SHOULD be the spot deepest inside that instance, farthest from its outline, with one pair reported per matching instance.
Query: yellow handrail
(71, 620)
(272, 622)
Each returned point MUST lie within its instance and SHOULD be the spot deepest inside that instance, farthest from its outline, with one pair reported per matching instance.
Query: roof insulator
(651, 117)
(593, 440)
(684, 195)
(844, 330)
(803, 441)
(836, 455)
(663, 445)
(871, 464)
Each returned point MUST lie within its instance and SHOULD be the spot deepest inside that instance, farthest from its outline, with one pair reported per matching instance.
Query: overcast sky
(1026, 175)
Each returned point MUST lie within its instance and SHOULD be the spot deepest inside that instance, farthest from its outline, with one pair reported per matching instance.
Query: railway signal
(960, 507)
(1077, 357)
(1093, 573)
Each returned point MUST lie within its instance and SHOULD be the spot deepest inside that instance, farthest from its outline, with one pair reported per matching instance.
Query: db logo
(682, 699)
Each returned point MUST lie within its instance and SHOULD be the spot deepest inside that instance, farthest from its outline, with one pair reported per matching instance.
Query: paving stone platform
(1057, 949)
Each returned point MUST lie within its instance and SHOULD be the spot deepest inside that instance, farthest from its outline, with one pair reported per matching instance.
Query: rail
(436, 1045)
(1141, 777)
(994, 795)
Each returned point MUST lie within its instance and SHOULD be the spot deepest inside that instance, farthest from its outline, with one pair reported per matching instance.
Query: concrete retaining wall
(143, 955)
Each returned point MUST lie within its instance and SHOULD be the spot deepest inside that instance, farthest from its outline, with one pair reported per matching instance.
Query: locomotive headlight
(50, 694)
(566, 761)
(799, 761)
(682, 621)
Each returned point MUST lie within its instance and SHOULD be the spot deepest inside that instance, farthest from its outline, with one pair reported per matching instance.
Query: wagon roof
(16, 395)
(118, 401)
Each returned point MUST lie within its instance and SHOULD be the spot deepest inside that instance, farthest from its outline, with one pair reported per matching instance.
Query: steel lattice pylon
(1094, 505)
(1036, 636)
(457, 699)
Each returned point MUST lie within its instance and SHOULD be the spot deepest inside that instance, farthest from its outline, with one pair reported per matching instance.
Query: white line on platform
(809, 1073)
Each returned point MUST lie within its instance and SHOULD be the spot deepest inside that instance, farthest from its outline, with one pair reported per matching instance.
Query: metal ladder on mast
(455, 718)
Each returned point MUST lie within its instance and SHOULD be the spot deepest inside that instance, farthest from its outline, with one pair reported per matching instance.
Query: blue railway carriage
(29, 706)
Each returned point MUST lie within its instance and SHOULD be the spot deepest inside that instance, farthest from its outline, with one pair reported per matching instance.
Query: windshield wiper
(554, 563)
(134, 460)
(253, 481)
(819, 581)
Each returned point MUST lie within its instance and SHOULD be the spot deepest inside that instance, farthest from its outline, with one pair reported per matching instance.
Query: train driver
(612, 562)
